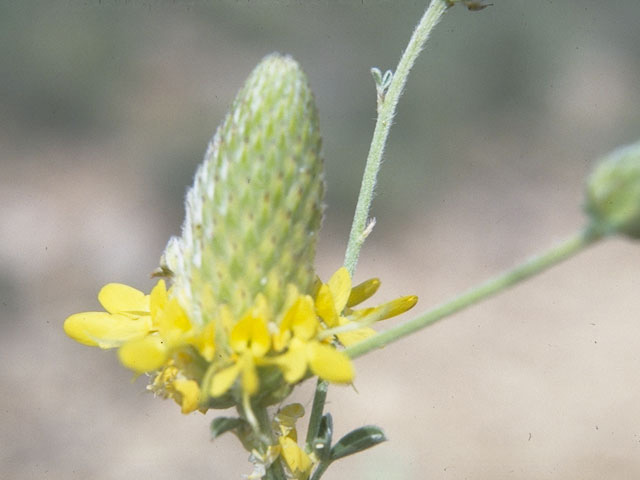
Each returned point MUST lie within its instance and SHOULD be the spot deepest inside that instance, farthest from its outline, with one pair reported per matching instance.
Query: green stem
(320, 469)
(386, 111)
(316, 413)
(266, 437)
(276, 470)
(535, 265)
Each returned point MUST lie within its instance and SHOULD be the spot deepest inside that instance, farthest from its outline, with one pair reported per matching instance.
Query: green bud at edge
(256, 206)
(613, 192)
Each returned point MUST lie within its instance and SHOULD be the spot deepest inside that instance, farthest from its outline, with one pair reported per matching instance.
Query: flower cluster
(196, 364)
(245, 317)
(298, 462)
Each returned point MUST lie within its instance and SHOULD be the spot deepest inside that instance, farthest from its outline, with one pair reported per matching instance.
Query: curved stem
(535, 265)
(386, 111)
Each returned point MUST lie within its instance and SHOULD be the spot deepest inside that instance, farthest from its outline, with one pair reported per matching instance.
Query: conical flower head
(255, 208)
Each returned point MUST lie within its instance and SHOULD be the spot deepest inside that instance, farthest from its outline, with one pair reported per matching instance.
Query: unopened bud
(613, 192)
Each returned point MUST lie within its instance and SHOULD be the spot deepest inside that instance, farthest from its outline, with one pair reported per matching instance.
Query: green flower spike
(613, 192)
(244, 317)
(256, 205)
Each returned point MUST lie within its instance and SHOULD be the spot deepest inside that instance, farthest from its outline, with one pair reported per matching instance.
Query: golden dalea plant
(245, 317)
(239, 316)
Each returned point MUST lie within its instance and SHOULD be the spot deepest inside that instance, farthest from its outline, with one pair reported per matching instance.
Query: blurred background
(106, 108)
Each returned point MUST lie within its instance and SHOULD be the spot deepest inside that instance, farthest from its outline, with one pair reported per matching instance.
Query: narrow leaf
(377, 76)
(222, 425)
(322, 443)
(357, 441)
(386, 79)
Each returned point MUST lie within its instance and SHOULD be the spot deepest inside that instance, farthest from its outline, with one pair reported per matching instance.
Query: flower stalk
(501, 282)
(387, 100)
(387, 104)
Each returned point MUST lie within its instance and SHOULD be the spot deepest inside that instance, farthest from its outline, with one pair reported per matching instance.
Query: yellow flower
(170, 383)
(154, 334)
(335, 298)
(297, 460)
(298, 331)
(306, 337)
(242, 320)
(250, 341)
(148, 330)
(172, 329)
(127, 318)
(285, 420)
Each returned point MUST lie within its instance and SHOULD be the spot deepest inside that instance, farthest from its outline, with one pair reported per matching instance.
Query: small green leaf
(222, 425)
(357, 441)
(377, 76)
(386, 80)
(322, 443)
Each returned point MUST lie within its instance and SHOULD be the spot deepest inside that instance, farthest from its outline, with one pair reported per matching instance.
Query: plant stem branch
(386, 111)
(316, 413)
(320, 469)
(275, 471)
(535, 265)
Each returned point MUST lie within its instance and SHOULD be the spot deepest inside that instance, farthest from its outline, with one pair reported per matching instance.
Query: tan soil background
(106, 108)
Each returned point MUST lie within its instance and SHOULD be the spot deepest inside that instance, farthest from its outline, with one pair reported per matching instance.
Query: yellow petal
(301, 318)
(330, 364)
(223, 380)
(241, 334)
(144, 355)
(260, 338)
(296, 459)
(251, 333)
(289, 414)
(205, 342)
(401, 305)
(119, 298)
(355, 336)
(260, 308)
(340, 287)
(250, 382)
(189, 394)
(291, 295)
(104, 330)
(362, 292)
(387, 310)
(325, 306)
(280, 340)
(173, 318)
(158, 298)
(293, 364)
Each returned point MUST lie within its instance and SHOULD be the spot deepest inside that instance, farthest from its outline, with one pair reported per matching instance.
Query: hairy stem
(535, 265)
(386, 112)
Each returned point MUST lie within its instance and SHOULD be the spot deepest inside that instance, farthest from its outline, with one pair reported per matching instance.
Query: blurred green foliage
(161, 74)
